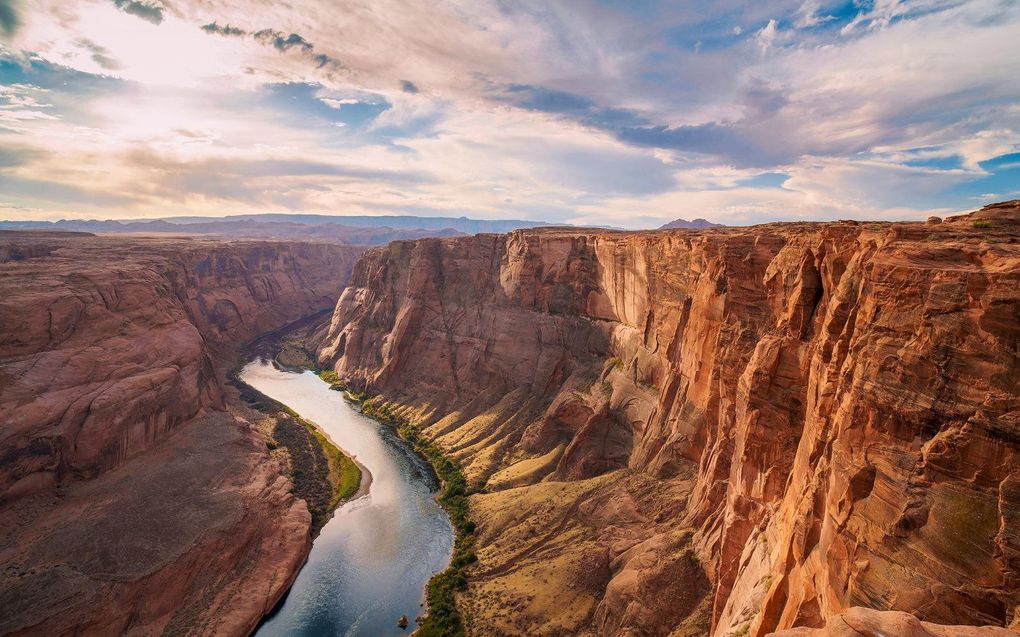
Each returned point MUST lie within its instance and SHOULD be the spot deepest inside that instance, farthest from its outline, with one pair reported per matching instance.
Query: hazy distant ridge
(173, 224)
(683, 224)
(357, 230)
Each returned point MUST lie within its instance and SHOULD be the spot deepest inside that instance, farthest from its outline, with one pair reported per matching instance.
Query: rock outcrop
(863, 622)
(824, 415)
(131, 500)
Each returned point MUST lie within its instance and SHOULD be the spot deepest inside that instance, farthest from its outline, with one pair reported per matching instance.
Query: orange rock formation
(733, 431)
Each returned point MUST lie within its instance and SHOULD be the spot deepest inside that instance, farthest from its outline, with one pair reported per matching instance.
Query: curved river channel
(372, 560)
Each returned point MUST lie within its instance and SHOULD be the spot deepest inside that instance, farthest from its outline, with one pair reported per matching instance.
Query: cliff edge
(729, 431)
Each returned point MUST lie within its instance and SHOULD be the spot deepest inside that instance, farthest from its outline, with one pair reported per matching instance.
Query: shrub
(443, 618)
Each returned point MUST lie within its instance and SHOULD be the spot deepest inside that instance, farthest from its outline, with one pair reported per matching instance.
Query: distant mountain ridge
(683, 224)
(355, 230)
(461, 224)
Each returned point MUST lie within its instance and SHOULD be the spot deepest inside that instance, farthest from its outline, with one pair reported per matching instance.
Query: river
(372, 560)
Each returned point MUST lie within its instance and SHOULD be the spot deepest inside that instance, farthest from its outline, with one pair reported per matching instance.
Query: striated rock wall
(832, 409)
(106, 344)
(134, 498)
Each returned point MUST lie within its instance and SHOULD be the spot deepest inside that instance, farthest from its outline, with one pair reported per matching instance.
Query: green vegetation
(344, 474)
(341, 473)
(614, 362)
(332, 379)
(443, 619)
(337, 384)
(981, 223)
(322, 474)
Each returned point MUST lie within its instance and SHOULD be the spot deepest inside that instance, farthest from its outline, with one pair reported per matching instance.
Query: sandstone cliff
(734, 430)
(130, 500)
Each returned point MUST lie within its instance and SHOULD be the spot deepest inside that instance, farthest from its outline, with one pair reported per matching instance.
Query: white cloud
(807, 15)
(768, 35)
(840, 114)
(338, 104)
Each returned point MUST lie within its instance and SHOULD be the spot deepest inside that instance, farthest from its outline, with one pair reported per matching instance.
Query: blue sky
(621, 113)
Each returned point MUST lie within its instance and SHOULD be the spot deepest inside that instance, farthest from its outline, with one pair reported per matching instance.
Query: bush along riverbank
(443, 618)
(323, 476)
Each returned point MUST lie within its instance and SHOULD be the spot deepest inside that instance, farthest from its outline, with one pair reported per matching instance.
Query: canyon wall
(131, 499)
(732, 431)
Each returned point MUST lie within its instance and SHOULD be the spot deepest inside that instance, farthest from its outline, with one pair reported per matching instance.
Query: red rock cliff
(131, 501)
(105, 343)
(832, 409)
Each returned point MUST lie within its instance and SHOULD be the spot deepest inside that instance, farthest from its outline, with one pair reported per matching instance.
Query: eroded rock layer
(132, 501)
(824, 415)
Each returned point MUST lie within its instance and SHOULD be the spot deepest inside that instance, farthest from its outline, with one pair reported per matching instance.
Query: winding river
(372, 560)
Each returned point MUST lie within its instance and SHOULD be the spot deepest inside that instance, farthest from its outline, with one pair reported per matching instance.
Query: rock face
(130, 500)
(825, 415)
(862, 622)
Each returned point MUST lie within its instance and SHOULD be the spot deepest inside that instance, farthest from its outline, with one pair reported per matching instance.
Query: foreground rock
(863, 622)
(131, 501)
(198, 536)
(732, 431)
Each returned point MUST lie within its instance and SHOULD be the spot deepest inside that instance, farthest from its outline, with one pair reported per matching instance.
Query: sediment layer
(133, 500)
(732, 431)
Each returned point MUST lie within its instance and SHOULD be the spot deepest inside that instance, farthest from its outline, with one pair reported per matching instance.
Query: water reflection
(370, 563)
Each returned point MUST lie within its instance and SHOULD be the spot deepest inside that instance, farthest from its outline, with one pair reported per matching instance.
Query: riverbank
(372, 561)
(442, 618)
(322, 474)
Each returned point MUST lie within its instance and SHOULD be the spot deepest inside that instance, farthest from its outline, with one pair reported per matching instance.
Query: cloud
(579, 107)
(149, 10)
(19, 107)
(99, 54)
(226, 29)
(723, 140)
(598, 111)
(9, 20)
(15, 156)
(807, 15)
(338, 104)
(323, 61)
(282, 42)
(768, 35)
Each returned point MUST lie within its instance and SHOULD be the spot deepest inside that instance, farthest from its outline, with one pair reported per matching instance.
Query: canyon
(137, 495)
(729, 431)
(806, 429)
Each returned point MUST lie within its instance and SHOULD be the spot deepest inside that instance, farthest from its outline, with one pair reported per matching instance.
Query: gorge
(727, 431)
(137, 494)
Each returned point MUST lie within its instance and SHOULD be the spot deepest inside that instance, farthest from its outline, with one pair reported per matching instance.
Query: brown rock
(107, 343)
(112, 356)
(863, 622)
(840, 400)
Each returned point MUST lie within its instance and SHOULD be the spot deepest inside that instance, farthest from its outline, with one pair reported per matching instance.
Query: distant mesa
(683, 224)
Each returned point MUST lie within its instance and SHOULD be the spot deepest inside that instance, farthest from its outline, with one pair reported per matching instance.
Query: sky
(627, 114)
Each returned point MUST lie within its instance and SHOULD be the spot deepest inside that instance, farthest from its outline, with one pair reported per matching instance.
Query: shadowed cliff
(132, 501)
